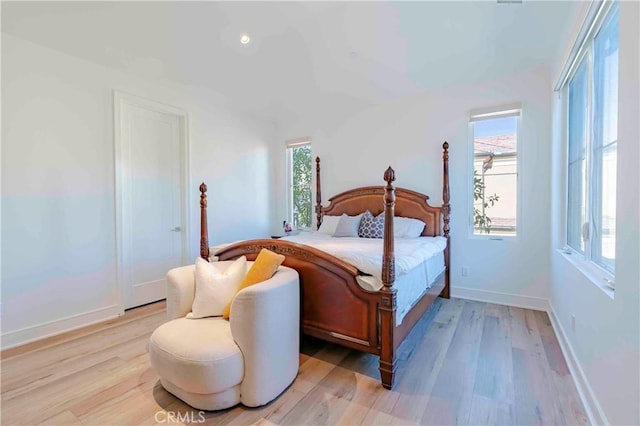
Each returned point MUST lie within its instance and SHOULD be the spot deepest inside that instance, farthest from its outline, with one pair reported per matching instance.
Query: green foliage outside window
(301, 183)
(481, 221)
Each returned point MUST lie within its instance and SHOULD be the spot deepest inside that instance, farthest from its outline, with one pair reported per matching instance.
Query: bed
(334, 305)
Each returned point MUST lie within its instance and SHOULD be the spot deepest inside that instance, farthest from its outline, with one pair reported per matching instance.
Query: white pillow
(329, 224)
(415, 228)
(406, 227)
(216, 284)
(348, 226)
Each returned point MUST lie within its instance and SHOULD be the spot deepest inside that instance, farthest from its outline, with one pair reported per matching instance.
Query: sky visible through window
(494, 127)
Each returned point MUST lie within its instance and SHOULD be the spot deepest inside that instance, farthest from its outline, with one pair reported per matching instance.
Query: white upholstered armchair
(212, 363)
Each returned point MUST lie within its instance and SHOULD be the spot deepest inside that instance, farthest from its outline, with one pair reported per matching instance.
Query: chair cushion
(197, 355)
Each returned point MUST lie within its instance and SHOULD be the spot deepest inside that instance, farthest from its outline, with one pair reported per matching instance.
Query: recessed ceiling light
(245, 39)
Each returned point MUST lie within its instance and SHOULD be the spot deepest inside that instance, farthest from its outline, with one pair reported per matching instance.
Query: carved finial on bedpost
(389, 175)
(446, 208)
(318, 195)
(204, 232)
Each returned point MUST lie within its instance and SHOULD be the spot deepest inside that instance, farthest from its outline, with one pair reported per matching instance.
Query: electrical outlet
(573, 323)
(465, 271)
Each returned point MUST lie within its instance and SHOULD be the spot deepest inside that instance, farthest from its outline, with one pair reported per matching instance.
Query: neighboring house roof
(501, 144)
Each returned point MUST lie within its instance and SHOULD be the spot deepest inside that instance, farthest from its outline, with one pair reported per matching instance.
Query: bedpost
(446, 213)
(387, 308)
(204, 232)
(388, 258)
(318, 195)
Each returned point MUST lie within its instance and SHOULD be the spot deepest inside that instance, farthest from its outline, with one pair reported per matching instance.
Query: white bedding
(411, 287)
(366, 253)
(419, 261)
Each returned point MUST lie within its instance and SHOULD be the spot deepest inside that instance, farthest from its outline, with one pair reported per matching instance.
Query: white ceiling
(303, 53)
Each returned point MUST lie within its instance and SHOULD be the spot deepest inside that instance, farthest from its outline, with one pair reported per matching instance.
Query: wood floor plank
(421, 371)
(66, 418)
(315, 368)
(533, 385)
(464, 362)
(351, 386)
(494, 373)
(141, 377)
(55, 397)
(487, 411)
(522, 329)
(380, 418)
(451, 397)
(550, 342)
(279, 408)
(569, 400)
(37, 377)
(384, 402)
(317, 408)
(33, 366)
(466, 340)
(531, 406)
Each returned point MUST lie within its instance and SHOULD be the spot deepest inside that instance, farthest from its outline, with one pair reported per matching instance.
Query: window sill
(596, 275)
(490, 237)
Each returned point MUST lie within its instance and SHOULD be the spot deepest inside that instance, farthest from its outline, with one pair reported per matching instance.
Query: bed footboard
(333, 306)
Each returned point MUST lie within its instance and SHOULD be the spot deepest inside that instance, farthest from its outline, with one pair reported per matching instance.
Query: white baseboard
(528, 302)
(40, 331)
(591, 404)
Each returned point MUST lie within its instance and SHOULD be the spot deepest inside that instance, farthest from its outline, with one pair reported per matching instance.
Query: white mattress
(366, 253)
(410, 286)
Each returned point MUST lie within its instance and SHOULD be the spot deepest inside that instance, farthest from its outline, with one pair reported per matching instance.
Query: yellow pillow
(262, 269)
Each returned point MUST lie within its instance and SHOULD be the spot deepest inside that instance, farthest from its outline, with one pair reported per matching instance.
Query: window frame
(584, 260)
(289, 145)
(481, 114)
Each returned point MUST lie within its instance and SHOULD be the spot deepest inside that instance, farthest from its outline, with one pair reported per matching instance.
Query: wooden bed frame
(333, 306)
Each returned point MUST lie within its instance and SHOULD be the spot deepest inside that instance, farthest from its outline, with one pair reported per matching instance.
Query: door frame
(119, 100)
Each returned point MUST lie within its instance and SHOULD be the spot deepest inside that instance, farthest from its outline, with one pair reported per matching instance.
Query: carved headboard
(408, 204)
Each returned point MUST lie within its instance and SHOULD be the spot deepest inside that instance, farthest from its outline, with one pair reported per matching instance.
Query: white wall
(606, 338)
(58, 240)
(408, 135)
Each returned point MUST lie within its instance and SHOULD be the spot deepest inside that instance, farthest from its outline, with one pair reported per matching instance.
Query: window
(495, 172)
(299, 183)
(591, 95)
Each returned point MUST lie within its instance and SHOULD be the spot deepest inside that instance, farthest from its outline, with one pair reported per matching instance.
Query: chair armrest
(265, 323)
(181, 289)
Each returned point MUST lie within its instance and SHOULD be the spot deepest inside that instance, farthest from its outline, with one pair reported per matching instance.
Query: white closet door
(152, 214)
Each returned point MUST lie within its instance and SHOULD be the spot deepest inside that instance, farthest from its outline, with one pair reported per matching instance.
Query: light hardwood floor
(464, 363)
